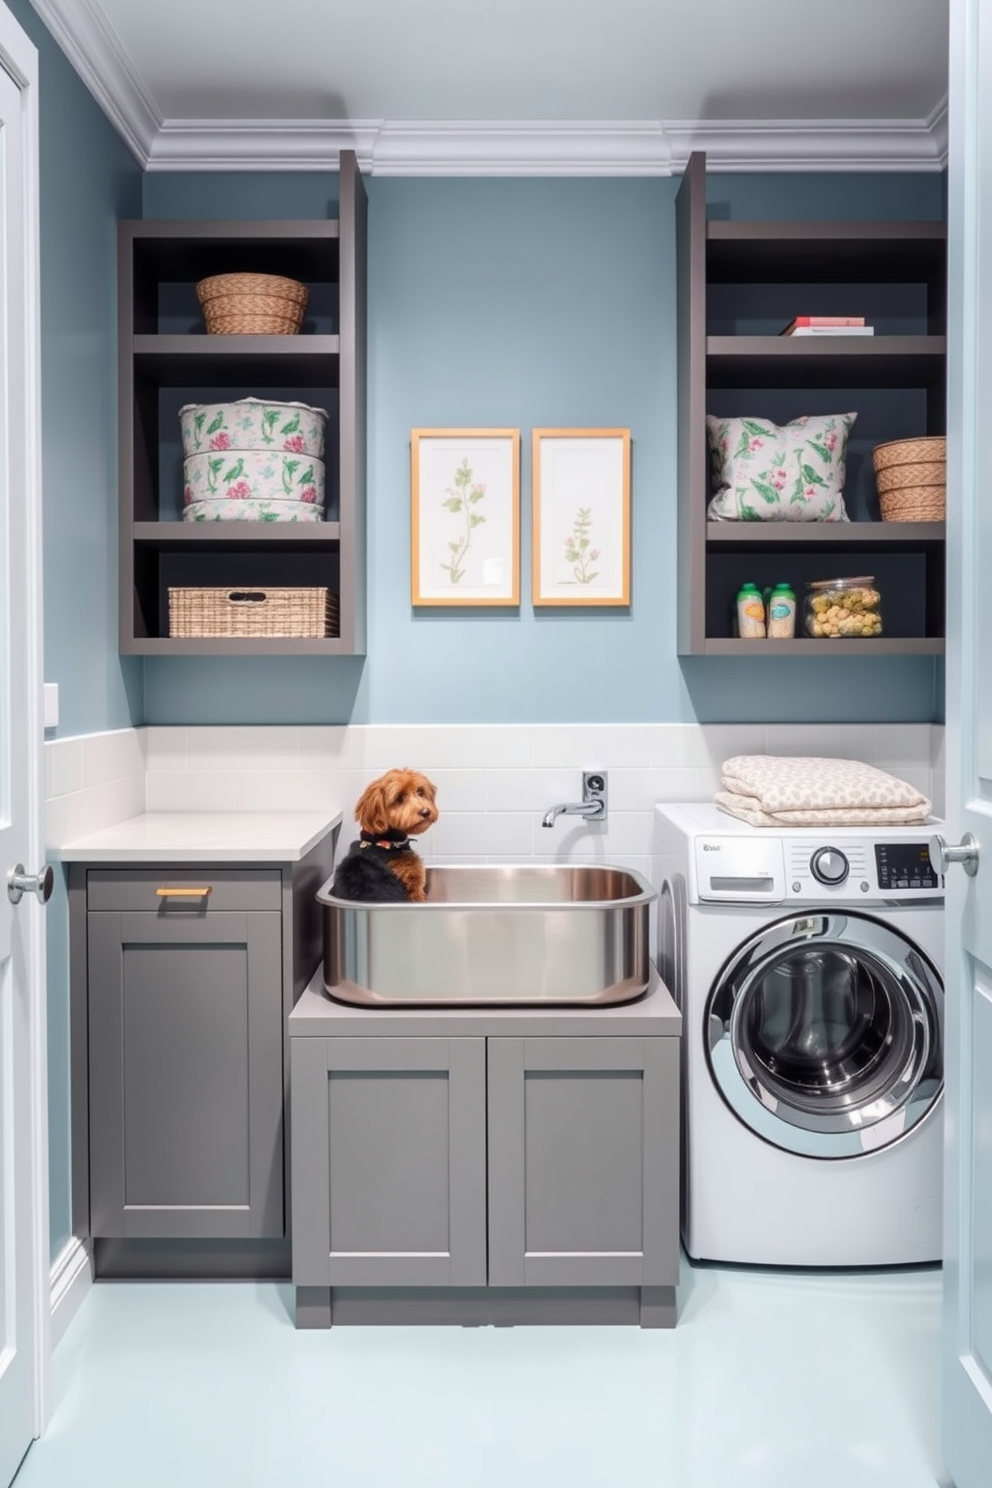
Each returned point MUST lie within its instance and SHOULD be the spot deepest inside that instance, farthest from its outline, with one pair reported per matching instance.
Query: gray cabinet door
(185, 1075)
(389, 1161)
(583, 1161)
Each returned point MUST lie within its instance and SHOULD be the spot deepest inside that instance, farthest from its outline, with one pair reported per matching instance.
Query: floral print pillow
(766, 473)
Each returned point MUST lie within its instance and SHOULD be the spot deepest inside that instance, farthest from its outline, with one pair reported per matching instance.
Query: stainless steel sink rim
(491, 949)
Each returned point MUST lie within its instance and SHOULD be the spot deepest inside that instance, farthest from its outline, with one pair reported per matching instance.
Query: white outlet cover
(51, 705)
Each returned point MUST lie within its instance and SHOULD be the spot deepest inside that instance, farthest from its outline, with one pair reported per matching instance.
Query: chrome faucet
(593, 803)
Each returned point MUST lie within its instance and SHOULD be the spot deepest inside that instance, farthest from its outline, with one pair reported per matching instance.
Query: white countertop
(205, 837)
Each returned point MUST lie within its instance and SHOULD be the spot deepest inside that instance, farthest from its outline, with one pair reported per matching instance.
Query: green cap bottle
(782, 612)
(750, 613)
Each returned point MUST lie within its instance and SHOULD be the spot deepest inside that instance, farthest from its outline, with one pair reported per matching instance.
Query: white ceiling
(627, 69)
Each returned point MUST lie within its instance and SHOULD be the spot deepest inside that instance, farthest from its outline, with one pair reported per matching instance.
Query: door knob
(966, 853)
(20, 883)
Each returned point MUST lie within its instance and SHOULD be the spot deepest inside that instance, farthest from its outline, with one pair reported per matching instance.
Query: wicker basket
(252, 304)
(229, 613)
(911, 475)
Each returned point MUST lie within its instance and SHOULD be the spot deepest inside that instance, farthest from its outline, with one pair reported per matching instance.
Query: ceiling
(630, 83)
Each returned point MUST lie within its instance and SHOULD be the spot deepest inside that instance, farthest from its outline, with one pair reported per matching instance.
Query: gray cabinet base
(480, 1307)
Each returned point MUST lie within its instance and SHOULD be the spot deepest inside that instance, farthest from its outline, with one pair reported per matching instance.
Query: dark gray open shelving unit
(167, 359)
(739, 283)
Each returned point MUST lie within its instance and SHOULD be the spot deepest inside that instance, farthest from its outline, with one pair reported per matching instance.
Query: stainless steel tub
(524, 933)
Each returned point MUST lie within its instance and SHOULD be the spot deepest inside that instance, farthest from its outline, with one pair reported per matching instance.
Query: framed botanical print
(465, 516)
(581, 480)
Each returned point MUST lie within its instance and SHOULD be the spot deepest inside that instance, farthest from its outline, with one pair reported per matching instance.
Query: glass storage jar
(842, 607)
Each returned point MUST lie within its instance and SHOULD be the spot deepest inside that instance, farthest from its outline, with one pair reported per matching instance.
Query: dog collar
(391, 839)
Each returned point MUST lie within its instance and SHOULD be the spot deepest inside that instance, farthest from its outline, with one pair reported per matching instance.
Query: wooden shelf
(833, 534)
(233, 534)
(808, 646)
(830, 361)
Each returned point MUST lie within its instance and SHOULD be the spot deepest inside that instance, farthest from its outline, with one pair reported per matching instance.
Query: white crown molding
(473, 148)
(92, 46)
(808, 145)
(609, 148)
(937, 125)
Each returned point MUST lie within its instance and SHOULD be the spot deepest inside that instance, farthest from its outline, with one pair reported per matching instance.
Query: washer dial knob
(828, 865)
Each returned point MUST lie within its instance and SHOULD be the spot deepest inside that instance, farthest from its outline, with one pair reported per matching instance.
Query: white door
(23, 1163)
(967, 1428)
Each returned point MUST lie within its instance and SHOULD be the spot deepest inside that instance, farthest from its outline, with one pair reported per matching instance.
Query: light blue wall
(523, 303)
(88, 180)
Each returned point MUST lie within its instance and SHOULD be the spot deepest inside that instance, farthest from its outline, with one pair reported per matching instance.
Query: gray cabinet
(389, 1168)
(182, 980)
(185, 1058)
(458, 1167)
(583, 1161)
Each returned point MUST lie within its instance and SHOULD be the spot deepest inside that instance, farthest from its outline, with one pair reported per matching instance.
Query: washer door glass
(824, 1034)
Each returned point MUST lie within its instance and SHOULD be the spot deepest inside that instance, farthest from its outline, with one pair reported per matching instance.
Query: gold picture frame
(581, 487)
(465, 517)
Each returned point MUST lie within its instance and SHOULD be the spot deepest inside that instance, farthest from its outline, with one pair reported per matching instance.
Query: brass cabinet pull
(184, 893)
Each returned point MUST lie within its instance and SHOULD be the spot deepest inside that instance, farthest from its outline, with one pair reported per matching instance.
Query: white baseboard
(71, 1279)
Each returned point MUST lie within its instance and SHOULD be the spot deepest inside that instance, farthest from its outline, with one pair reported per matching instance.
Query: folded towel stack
(771, 791)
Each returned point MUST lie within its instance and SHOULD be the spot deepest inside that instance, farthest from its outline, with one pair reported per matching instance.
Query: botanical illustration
(465, 516)
(579, 552)
(461, 499)
(581, 517)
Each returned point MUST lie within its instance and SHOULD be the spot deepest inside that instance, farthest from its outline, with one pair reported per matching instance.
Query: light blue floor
(771, 1379)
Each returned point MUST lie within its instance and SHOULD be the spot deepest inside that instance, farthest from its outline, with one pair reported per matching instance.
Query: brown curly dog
(382, 865)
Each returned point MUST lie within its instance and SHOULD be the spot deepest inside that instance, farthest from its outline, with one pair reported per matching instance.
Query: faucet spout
(593, 803)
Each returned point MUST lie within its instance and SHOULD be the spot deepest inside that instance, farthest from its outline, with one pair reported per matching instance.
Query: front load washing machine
(807, 963)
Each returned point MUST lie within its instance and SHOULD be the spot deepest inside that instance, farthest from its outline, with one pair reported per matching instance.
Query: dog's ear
(371, 812)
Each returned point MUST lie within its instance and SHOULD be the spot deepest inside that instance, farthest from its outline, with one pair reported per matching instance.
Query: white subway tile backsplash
(111, 756)
(495, 781)
(67, 766)
(189, 790)
(165, 748)
(589, 746)
(530, 790)
(255, 748)
(460, 790)
(485, 746)
(299, 790)
(479, 832)
(902, 743)
(825, 740)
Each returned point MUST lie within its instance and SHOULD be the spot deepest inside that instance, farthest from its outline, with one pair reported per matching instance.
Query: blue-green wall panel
(522, 303)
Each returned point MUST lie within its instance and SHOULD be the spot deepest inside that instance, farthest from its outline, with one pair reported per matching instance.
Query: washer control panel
(776, 870)
(906, 865)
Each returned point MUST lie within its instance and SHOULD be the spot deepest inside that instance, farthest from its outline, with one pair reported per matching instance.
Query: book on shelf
(843, 325)
(861, 330)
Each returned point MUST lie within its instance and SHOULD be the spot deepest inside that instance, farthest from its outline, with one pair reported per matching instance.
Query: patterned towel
(782, 791)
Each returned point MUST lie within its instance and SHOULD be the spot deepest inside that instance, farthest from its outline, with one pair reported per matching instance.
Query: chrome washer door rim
(902, 1084)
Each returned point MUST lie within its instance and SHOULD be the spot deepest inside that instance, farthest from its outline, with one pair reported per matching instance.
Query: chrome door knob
(966, 853)
(20, 883)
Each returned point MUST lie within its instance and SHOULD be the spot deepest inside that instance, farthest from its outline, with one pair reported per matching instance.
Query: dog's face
(402, 799)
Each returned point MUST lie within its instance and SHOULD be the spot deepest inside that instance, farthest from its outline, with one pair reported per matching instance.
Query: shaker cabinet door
(185, 1075)
(583, 1161)
(389, 1161)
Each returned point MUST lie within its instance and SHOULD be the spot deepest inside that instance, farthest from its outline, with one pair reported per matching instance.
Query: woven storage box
(252, 304)
(911, 475)
(288, 613)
